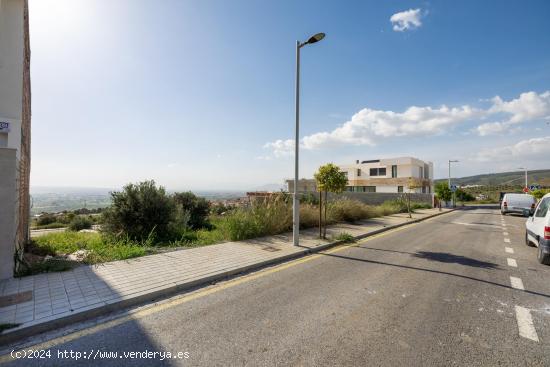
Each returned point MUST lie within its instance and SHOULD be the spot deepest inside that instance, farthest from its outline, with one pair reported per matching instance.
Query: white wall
(11, 109)
(11, 70)
(386, 189)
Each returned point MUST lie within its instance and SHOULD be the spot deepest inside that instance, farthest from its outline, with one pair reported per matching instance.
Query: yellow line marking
(155, 308)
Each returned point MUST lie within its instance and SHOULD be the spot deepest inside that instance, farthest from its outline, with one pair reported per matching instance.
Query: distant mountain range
(541, 177)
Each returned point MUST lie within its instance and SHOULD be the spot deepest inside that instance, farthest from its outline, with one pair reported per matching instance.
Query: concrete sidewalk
(56, 299)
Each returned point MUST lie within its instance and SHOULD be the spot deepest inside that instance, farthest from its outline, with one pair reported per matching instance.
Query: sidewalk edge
(55, 322)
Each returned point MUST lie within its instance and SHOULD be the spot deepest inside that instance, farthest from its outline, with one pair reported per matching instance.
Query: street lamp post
(451, 161)
(295, 200)
(524, 168)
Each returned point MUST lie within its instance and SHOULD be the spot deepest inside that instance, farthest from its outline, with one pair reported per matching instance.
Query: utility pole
(451, 161)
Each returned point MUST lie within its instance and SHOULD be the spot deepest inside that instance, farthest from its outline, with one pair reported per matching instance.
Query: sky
(199, 95)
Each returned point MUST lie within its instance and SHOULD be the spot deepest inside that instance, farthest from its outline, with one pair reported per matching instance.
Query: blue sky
(200, 94)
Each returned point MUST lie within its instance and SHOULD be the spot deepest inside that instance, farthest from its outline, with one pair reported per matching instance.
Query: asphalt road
(437, 293)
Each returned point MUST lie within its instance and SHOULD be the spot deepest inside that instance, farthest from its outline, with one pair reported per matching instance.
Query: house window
(358, 172)
(421, 172)
(394, 171)
(377, 171)
(369, 188)
(399, 188)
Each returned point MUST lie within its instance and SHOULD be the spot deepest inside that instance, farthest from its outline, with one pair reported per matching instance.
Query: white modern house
(390, 175)
(14, 132)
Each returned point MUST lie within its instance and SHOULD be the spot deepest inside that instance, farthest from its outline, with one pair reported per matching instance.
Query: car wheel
(527, 242)
(542, 257)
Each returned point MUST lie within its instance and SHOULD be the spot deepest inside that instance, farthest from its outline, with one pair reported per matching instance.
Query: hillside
(541, 177)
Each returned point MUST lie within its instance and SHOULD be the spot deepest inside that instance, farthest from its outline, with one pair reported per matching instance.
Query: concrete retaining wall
(8, 207)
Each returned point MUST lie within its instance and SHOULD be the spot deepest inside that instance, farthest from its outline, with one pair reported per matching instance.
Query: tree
(329, 179)
(538, 194)
(139, 211)
(462, 195)
(197, 207)
(443, 191)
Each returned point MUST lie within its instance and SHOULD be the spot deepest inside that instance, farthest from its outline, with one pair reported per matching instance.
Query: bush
(263, 218)
(140, 211)
(79, 222)
(197, 207)
(538, 194)
(45, 219)
(220, 208)
(346, 210)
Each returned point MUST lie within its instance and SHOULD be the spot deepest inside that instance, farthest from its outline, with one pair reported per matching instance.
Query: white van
(517, 203)
(538, 230)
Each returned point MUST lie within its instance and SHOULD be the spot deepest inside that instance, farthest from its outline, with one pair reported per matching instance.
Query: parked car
(538, 230)
(518, 203)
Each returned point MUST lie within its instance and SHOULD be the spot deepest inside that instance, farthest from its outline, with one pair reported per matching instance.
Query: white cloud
(531, 148)
(281, 148)
(529, 106)
(490, 128)
(405, 20)
(367, 125)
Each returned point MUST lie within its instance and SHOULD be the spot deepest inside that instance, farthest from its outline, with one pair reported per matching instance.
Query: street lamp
(451, 161)
(295, 202)
(523, 168)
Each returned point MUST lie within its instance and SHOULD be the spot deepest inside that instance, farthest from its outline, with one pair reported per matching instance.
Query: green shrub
(345, 237)
(197, 207)
(140, 211)
(220, 208)
(79, 222)
(538, 194)
(100, 247)
(50, 226)
(45, 219)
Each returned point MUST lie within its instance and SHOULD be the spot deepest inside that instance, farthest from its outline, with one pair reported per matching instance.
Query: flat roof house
(390, 175)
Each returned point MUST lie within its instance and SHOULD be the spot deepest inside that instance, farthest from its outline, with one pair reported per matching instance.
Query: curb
(83, 314)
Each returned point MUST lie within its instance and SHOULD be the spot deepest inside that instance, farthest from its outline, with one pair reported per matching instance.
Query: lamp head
(315, 38)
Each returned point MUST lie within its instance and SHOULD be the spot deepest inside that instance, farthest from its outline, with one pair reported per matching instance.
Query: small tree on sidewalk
(329, 179)
(443, 192)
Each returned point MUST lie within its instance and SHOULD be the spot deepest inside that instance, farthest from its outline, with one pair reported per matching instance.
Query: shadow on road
(430, 270)
(445, 257)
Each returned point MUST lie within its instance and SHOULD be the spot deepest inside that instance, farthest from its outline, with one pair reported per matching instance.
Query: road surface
(460, 289)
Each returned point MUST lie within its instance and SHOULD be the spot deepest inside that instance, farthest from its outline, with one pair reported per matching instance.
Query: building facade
(15, 116)
(390, 175)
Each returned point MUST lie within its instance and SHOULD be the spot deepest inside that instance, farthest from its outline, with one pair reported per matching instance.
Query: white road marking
(507, 240)
(512, 262)
(517, 283)
(472, 224)
(509, 250)
(525, 324)
(505, 233)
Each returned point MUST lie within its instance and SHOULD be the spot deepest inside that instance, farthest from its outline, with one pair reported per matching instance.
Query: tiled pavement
(87, 288)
